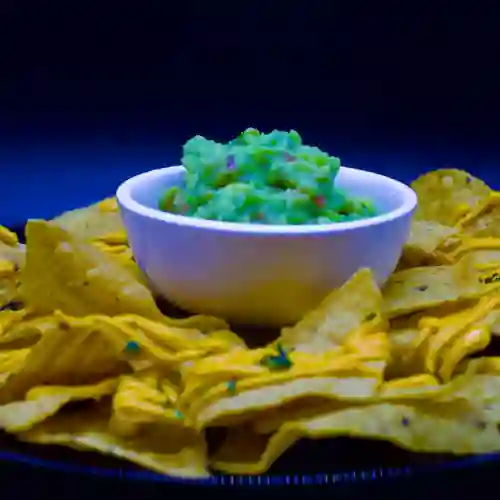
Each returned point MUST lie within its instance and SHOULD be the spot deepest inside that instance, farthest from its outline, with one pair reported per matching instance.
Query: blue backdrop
(90, 97)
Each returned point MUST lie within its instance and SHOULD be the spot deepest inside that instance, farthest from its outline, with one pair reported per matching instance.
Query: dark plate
(336, 462)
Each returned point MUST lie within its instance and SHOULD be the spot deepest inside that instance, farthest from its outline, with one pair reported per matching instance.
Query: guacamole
(262, 178)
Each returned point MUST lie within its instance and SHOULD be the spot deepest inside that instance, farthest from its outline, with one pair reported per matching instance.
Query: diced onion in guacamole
(262, 178)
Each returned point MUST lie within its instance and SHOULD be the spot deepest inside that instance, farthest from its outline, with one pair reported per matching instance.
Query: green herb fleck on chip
(280, 361)
(231, 386)
(132, 346)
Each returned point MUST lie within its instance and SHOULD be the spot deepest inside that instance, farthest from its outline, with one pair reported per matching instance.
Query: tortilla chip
(215, 377)
(11, 361)
(441, 428)
(369, 346)
(141, 349)
(445, 195)
(116, 241)
(485, 223)
(447, 330)
(44, 401)
(245, 405)
(424, 240)
(402, 362)
(356, 304)
(180, 454)
(485, 259)
(178, 338)
(13, 253)
(11, 260)
(70, 352)
(425, 287)
(92, 222)
(21, 330)
(473, 340)
(470, 246)
(145, 399)
(62, 273)
(7, 237)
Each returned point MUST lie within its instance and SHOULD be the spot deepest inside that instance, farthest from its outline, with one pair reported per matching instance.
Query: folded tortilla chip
(70, 352)
(448, 329)
(358, 303)
(22, 330)
(424, 240)
(446, 195)
(473, 340)
(441, 428)
(63, 273)
(44, 401)
(144, 348)
(485, 222)
(66, 274)
(14, 253)
(246, 404)
(92, 222)
(145, 399)
(216, 377)
(421, 288)
(181, 453)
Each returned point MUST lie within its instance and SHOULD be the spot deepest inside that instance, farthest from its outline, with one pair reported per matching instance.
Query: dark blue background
(90, 94)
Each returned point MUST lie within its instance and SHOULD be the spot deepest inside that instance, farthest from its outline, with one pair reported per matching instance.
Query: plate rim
(372, 475)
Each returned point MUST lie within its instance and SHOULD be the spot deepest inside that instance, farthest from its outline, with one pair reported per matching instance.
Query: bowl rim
(126, 200)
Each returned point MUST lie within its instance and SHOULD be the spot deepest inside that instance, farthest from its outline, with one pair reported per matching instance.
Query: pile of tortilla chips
(89, 361)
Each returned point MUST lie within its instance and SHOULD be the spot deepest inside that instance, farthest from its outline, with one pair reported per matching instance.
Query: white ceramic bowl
(255, 273)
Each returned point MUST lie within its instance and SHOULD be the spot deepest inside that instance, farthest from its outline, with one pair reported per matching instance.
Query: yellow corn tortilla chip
(9, 293)
(169, 350)
(215, 377)
(71, 352)
(181, 453)
(178, 338)
(62, 273)
(423, 428)
(145, 399)
(44, 401)
(446, 330)
(10, 264)
(445, 195)
(15, 254)
(411, 389)
(245, 405)
(356, 304)
(426, 287)
(20, 330)
(369, 346)
(402, 347)
(7, 237)
(473, 340)
(113, 240)
(473, 246)
(424, 239)
(9, 319)
(489, 365)
(11, 361)
(92, 222)
(485, 259)
(486, 222)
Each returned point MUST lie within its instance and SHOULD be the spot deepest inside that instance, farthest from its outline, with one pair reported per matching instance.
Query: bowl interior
(386, 194)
